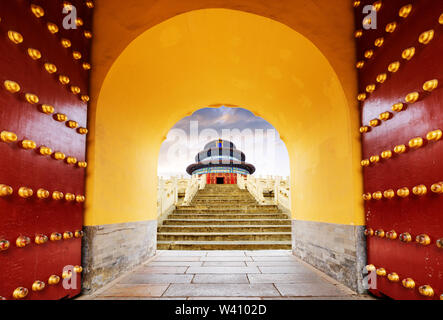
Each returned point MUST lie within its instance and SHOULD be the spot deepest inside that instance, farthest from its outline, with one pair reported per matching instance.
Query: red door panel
(413, 214)
(19, 167)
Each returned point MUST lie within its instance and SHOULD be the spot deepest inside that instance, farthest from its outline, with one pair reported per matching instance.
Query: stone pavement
(270, 274)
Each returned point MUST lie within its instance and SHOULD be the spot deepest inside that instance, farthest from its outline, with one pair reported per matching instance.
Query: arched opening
(223, 184)
(213, 57)
(290, 61)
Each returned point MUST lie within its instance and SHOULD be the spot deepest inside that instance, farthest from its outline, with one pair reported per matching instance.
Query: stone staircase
(224, 217)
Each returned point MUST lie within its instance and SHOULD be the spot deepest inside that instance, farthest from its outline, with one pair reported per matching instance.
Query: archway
(219, 56)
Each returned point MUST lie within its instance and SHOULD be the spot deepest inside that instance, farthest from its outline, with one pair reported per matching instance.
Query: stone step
(227, 216)
(237, 204)
(222, 187)
(170, 222)
(239, 212)
(214, 190)
(222, 211)
(223, 236)
(225, 228)
(224, 245)
(227, 210)
(211, 188)
(227, 199)
(231, 201)
(225, 196)
(226, 206)
(232, 191)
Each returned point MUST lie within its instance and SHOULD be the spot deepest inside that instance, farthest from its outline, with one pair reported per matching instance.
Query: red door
(42, 147)
(411, 36)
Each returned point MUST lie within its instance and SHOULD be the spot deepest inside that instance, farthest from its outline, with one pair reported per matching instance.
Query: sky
(256, 137)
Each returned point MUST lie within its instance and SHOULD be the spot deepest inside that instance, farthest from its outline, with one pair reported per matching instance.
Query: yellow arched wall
(219, 56)
(328, 24)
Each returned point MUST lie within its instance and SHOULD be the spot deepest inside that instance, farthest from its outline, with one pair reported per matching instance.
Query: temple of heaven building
(221, 162)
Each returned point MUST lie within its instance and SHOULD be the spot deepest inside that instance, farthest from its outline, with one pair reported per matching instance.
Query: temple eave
(197, 166)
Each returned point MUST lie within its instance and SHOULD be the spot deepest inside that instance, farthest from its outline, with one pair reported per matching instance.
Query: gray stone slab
(164, 269)
(290, 269)
(182, 253)
(268, 253)
(338, 250)
(177, 258)
(223, 270)
(313, 298)
(275, 264)
(221, 278)
(286, 278)
(239, 258)
(309, 290)
(154, 278)
(139, 298)
(138, 241)
(135, 290)
(224, 253)
(175, 263)
(274, 258)
(224, 264)
(228, 290)
(225, 298)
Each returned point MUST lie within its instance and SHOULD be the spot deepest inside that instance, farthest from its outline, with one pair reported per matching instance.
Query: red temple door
(44, 92)
(403, 212)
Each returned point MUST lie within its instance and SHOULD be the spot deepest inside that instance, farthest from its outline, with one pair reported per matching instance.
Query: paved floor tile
(177, 258)
(175, 263)
(225, 290)
(220, 278)
(225, 275)
(353, 297)
(224, 298)
(294, 269)
(274, 258)
(153, 278)
(269, 253)
(224, 264)
(139, 298)
(238, 258)
(148, 269)
(219, 253)
(135, 290)
(306, 290)
(223, 270)
(182, 253)
(274, 264)
(285, 278)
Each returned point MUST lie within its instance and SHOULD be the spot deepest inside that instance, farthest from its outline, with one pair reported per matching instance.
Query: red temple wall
(229, 178)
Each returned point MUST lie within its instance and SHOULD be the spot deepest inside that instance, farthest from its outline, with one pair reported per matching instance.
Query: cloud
(174, 161)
